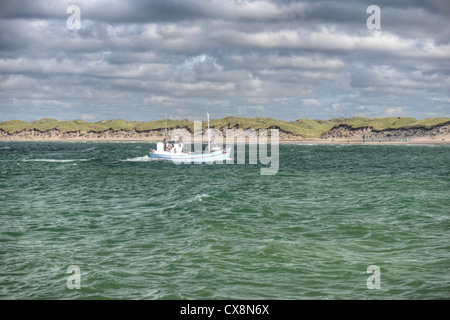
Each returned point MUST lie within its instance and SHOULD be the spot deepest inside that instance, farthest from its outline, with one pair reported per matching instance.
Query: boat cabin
(173, 146)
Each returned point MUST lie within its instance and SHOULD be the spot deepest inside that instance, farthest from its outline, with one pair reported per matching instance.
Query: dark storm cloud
(285, 59)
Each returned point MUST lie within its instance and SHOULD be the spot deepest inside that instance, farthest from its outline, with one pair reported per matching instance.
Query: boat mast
(165, 132)
(209, 136)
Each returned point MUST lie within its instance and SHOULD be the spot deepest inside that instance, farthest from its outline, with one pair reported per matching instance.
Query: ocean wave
(5, 148)
(199, 197)
(139, 159)
(421, 144)
(54, 160)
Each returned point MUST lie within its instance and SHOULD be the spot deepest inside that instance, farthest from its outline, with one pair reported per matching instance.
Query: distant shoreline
(412, 140)
(356, 130)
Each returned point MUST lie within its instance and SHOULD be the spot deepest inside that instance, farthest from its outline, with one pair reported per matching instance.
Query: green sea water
(141, 229)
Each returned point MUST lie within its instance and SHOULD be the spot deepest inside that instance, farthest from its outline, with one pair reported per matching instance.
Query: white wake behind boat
(176, 151)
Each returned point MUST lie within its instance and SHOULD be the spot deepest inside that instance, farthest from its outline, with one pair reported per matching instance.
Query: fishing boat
(175, 150)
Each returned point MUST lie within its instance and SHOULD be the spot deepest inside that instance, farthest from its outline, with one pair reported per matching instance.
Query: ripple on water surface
(142, 229)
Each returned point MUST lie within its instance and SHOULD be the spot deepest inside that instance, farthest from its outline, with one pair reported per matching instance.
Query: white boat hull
(218, 155)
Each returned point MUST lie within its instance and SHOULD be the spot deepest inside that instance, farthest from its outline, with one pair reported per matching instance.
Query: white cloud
(87, 117)
(395, 111)
(336, 106)
(280, 58)
(311, 103)
(440, 99)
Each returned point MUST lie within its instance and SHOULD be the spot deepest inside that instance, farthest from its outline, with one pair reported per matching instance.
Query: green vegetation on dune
(15, 126)
(160, 124)
(256, 124)
(380, 124)
(116, 124)
(313, 128)
(304, 127)
(430, 122)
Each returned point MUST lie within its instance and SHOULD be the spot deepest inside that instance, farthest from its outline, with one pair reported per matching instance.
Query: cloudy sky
(143, 60)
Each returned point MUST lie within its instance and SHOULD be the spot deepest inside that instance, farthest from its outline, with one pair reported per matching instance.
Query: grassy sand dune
(303, 127)
(380, 124)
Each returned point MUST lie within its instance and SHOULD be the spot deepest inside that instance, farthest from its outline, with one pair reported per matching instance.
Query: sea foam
(53, 160)
(139, 159)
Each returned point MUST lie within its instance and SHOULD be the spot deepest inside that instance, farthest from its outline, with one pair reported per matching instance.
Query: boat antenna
(209, 135)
